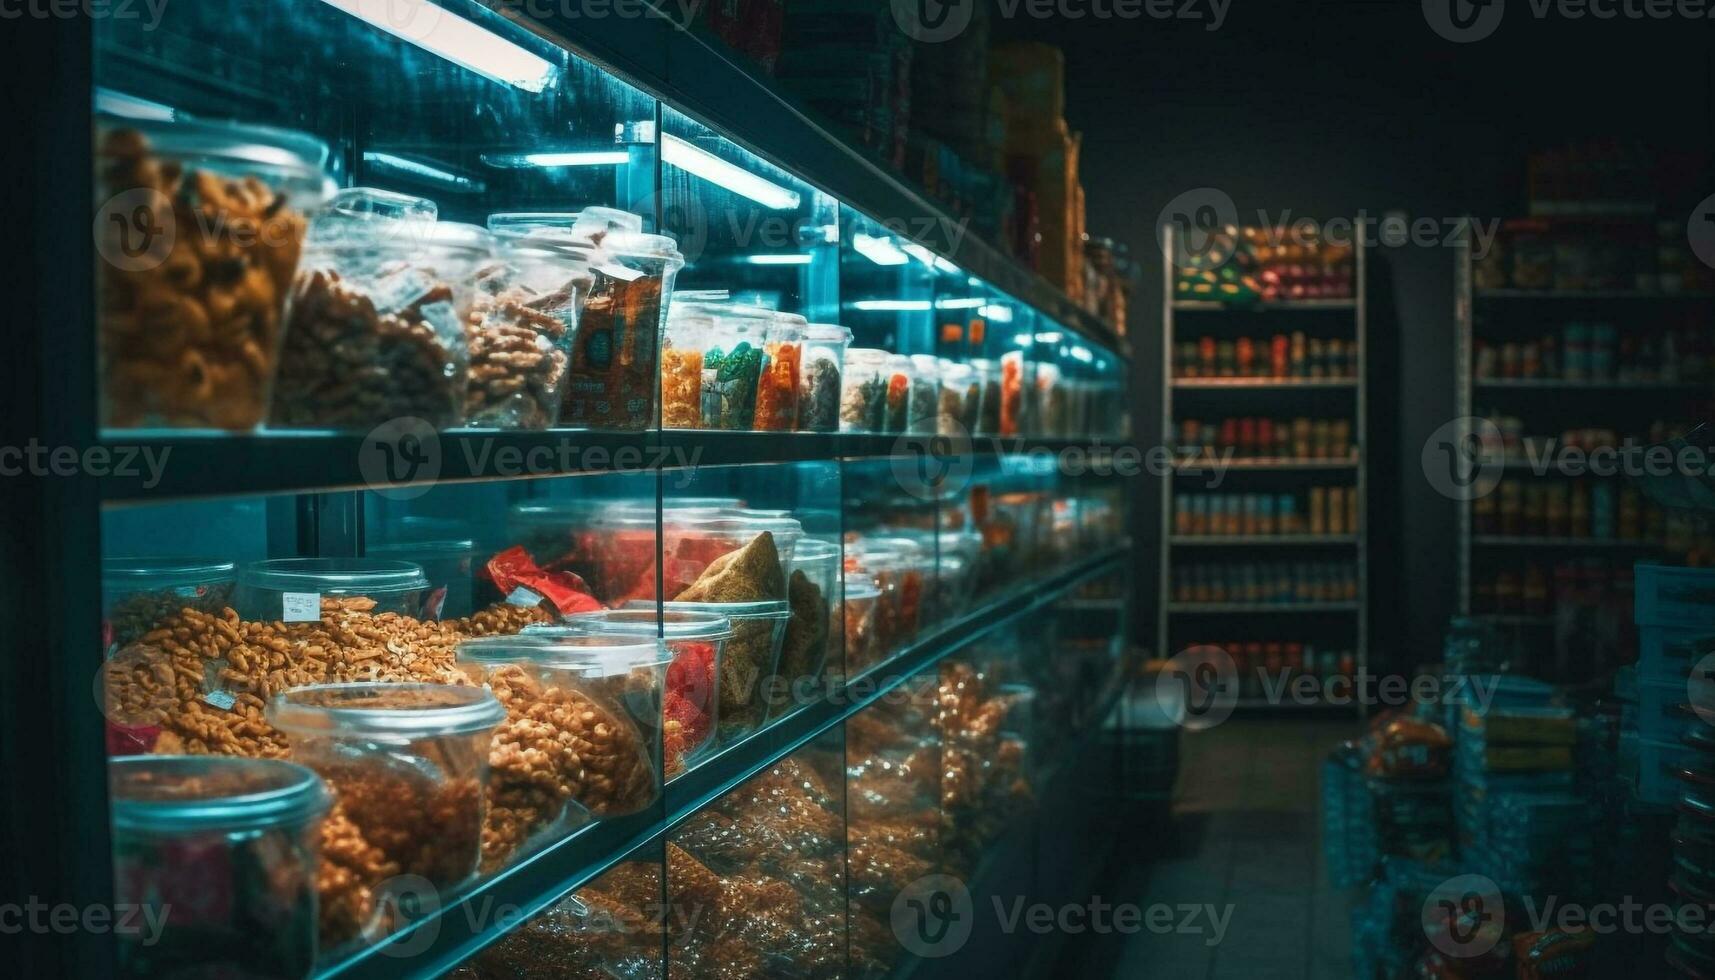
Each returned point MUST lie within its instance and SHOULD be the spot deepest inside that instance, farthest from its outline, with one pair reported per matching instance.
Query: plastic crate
(1668, 652)
(1657, 761)
(1661, 710)
(1668, 595)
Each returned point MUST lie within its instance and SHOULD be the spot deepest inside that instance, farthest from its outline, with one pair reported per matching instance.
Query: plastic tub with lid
(821, 375)
(524, 321)
(960, 399)
(408, 766)
(863, 390)
(292, 590)
(247, 830)
(690, 332)
(901, 378)
(614, 377)
(690, 705)
(447, 566)
(138, 593)
(737, 343)
(925, 399)
(777, 391)
(748, 662)
(863, 648)
(190, 311)
(692, 540)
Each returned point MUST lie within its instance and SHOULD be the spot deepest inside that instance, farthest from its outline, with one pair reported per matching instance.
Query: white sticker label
(523, 596)
(301, 607)
(224, 700)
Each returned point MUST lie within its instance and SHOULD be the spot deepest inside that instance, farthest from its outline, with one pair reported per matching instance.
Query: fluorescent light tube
(464, 43)
(778, 259)
(892, 305)
(879, 250)
(997, 313)
(417, 168)
(568, 158)
(966, 303)
(698, 161)
(131, 107)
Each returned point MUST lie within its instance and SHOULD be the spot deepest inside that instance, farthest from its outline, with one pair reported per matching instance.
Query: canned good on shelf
(777, 391)
(408, 766)
(613, 379)
(523, 327)
(295, 589)
(581, 735)
(137, 593)
(246, 830)
(863, 390)
(748, 661)
(690, 702)
(189, 327)
(819, 383)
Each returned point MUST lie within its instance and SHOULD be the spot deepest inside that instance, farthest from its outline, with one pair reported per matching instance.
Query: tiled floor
(1246, 837)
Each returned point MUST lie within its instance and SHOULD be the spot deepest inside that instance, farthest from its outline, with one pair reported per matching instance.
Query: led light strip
(702, 163)
(463, 42)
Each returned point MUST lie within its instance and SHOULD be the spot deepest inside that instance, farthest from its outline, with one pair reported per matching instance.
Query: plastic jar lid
(954, 371)
(772, 609)
(815, 550)
(294, 161)
(447, 548)
(402, 710)
(786, 327)
(673, 625)
(637, 245)
(867, 355)
(827, 333)
(142, 572)
(553, 645)
(927, 365)
(338, 576)
(195, 793)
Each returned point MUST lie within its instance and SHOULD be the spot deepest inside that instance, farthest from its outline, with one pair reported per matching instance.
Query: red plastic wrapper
(513, 569)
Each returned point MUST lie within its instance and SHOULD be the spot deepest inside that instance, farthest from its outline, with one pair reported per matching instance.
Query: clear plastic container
(961, 399)
(138, 593)
(925, 392)
(900, 376)
(1012, 409)
(614, 378)
(988, 411)
(1051, 409)
(446, 564)
(748, 661)
(777, 391)
(692, 540)
(863, 390)
(863, 641)
(581, 735)
(812, 590)
(523, 324)
(690, 703)
(200, 229)
(562, 534)
(732, 366)
(884, 572)
(820, 380)
(229, 847)
(375, 329)
(407, 764)
(294, 590)
(690, 330)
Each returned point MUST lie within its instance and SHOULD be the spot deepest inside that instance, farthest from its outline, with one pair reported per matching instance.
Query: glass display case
(531, 507)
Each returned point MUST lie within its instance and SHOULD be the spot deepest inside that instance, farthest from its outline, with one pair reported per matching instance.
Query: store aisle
(1245, 836)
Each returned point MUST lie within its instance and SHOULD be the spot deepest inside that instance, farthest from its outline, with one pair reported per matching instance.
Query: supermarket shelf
(463, 925)
(1264, 704)
(1244, 608)
(1264, 383)
(1090, 605)
(1265, 306)
(1280, 540)
(1201, 463)
(1514, 619)
(216, 464)
(1634, 294)
(1525, 541)
(1559, 384)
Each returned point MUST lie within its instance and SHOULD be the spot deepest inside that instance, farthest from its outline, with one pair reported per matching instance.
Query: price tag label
(224, 700)
(301, 607)
(523, 596)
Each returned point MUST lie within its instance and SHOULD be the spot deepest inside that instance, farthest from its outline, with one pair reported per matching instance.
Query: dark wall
(1329, 108)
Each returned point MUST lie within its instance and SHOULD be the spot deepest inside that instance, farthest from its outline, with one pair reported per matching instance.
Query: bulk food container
(690, 699)
(1012, 408)
(732, 365)
(925, 393)
(138, 593)
(884, 572)
(199, 233)
(863, 641)
(821, 376)
(226, 848)
(375, 327)
(524, 322)
(408, 767)
(613, 379)
(563, 534)
(960, 400)
(777, 386)
(692, 540)
(1051, 411)
(581, 734)
(295, 590)
(988, 413)
(812, 591)
(863, 390)
(748, 662)
(627, 548)
(690, 330)
(900, 377)
(446, 564)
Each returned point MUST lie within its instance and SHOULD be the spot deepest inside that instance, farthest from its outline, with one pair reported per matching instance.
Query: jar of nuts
(408, 766)
(290, 590)
(581, 737)
(199, 232)
(523, 325)
(377, 319)
(138, 593)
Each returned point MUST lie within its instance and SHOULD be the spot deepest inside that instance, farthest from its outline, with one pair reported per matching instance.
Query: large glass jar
(200, 230)
(300, 590)
(748, 661)
(690, 706)
(524, 320)
(614, 379)
(777, 386)
(407, 764)
(863, 391)
(138, 593)
(819, 386)
(375, 328)
(226, 849)
(581, 735)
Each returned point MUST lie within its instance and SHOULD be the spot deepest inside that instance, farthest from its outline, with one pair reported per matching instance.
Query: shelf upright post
(1360, 415)
(1462, 331)
(1165, 559)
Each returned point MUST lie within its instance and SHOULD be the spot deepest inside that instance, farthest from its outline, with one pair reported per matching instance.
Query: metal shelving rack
(1357, 610)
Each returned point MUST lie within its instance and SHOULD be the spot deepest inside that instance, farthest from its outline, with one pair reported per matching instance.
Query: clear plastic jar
(900, 377)
(614, 376)
(446, 564)
(297, 590)
(961, 397)
(1011, 392)
(1051, 409)
(200, 232)
(407, 764)
(625, 549)
(988, 412)
(138, 593)
(692, 540)
(524, 321)
(884, 572)
(226, 848)
(748, 661)
(581, 735)
(690, 705)
(812, 590)
(777, 391)
(925, 392)
(819, 382)
(863, 641)
(375, 329)
(689, 333)
(913, 562)
(863, 390)
(732, 366)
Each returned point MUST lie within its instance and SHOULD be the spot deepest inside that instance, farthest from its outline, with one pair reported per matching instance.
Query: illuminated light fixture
(778, 259)
(573, 158)
(997, 313)
(1051, 337)
(893, 305)
(1021, 339)
(879, 250)
(922, 254)
(131, 107)
(696, 160)
(417, 168)
(1082, 354)
(464, 43)
(966, 303)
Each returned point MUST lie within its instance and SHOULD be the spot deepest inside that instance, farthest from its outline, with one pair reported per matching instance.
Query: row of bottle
(1299, 438)
(1320, 510)
(1280, 356)
(1599, 352)
(1567, 509)
(1514, 443)
(1268, 669)
(1267, 581)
